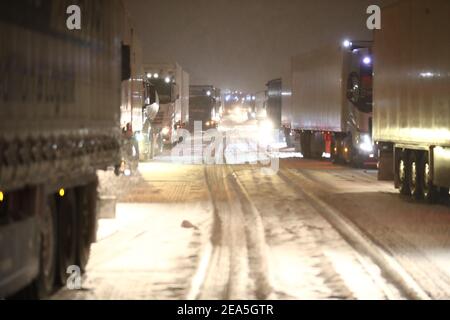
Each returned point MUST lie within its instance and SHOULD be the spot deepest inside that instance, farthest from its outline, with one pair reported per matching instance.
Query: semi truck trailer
(59, 123)
(412, 97)
(331, 111)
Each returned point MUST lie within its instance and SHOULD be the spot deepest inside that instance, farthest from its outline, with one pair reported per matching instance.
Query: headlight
(366, 143)
(139, 136)
(207, 123)
(165, 130)
(266, 125)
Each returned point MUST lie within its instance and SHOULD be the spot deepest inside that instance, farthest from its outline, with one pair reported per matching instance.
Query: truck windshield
(165, 91)
(200, 108)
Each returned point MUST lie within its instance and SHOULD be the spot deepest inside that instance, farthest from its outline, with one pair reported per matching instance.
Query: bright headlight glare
(366, 143)
(165, 130)
(139, 137)
(366, 139)
(367, 147)
(266, 125)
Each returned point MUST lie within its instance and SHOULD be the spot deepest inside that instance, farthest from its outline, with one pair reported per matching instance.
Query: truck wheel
(67, 232)
(86, 199)
(305, 144)
(334, 151)
(427, 188)
(414, 176)
(45, 282)
(403, 174)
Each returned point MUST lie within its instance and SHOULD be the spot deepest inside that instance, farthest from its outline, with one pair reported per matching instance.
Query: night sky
(241, 44)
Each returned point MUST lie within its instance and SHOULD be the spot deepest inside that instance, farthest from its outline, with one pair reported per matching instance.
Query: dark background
(241, 44)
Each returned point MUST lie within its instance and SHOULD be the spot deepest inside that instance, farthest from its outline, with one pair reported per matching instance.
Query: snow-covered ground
(307, 230)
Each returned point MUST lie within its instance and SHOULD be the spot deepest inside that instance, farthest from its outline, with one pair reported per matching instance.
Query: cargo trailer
(412, 97)
(331, 111)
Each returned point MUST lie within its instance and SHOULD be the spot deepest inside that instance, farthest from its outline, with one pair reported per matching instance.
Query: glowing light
(347, 43)
(167, 79)
(61, 192)
(427, 74)
(165, 130)
(156, 76)
(149, 75)
(367, 60)
(366, 144)
(346, 150)
(2, 196)
(208, 93)
(139, 137)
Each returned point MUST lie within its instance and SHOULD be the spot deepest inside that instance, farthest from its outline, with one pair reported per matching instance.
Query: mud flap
(106, 207)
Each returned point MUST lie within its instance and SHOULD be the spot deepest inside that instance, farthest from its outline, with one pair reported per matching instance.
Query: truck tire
(403, 172)
(334, 150)
(45, 282)
(305, 144)
(427, 187)
(415, 183)
(86, 227)
(67, 232)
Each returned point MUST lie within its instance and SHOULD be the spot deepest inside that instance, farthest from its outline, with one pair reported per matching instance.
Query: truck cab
(203, 102)
(171, 83)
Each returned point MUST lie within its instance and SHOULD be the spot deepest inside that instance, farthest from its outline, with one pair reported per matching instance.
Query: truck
(59, 124)
(137, 111)
(331, 111)
(412, 97)
(203, 102)
(172, 85)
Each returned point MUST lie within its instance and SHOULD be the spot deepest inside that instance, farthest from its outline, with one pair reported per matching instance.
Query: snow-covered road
(310, 230)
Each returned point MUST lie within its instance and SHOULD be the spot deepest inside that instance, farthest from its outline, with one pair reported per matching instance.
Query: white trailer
(331, 110)
(412, 97)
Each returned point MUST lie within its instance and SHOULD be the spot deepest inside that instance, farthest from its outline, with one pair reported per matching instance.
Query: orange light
(346, 150)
